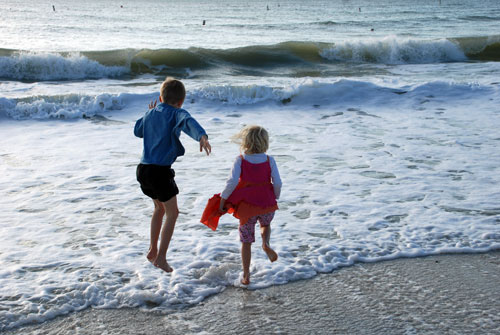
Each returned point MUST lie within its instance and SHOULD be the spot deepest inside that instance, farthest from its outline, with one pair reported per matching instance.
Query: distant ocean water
(384, 121)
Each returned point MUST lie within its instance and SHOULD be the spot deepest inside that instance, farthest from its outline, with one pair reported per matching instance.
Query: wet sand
(446, 294)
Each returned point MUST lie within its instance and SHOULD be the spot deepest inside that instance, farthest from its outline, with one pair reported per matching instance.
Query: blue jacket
(160, 128)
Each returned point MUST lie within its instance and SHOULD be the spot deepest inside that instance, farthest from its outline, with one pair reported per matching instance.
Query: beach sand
(445, 294)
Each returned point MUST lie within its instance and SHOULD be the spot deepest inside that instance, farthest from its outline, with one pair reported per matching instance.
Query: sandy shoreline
(446, 294)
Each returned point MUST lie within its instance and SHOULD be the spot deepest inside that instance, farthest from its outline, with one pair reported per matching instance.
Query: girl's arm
(232, 181)
(275, 177)
(221, 206)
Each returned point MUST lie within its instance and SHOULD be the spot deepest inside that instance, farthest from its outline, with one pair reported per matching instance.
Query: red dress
(254, 195)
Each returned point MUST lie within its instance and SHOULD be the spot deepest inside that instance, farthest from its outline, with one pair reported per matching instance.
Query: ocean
(384, 119)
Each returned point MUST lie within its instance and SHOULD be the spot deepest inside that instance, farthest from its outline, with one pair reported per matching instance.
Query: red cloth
(211, 215)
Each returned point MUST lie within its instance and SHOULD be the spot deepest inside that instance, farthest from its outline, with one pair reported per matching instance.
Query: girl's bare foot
(246, 279)
(161, 262)
(271, 254)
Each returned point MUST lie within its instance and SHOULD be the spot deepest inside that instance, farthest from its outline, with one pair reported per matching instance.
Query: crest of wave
(396, 50)
(236, 95)
(47, 66)
(59, 107)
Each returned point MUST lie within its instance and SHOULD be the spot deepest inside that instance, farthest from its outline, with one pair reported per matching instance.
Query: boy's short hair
(253, 139)
(172, 91)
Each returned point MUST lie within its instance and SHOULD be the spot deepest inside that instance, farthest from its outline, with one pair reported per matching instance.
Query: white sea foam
(60, 107)
(396, 50)
(343, 91)
(364, 181)
(306, 92)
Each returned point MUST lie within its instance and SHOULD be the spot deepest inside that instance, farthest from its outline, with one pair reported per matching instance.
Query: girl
(251, 192)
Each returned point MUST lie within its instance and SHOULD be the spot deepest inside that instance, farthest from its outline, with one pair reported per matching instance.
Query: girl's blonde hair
(252, 139)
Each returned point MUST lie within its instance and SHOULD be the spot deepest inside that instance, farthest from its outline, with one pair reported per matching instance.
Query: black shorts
(157, 182)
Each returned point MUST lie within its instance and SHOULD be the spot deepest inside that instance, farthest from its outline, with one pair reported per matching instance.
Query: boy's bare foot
(246, 279)
(152, 254)
(271, 254)
(161, 263)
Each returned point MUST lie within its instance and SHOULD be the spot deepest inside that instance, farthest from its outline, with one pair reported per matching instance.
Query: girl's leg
(156, 221)
(172, 212)
(265, 232)
(247, 237)
(246, 256)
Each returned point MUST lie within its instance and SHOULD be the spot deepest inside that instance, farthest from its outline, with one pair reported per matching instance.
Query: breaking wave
(70, 106)
(306, 93)
(29, 66)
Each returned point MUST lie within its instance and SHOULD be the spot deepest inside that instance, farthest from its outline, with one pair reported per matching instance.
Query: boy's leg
(172, 212)
(156, 221)
(265, 232)
(246, 257)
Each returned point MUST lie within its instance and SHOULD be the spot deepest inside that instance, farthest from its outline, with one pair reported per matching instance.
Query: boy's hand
(152, 104)
(205, 145)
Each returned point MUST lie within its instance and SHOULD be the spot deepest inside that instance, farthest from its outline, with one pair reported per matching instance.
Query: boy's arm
(139, 128)
(190, 126)
(139, 124)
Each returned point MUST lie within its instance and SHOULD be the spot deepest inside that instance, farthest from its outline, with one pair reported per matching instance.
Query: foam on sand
(441, 294)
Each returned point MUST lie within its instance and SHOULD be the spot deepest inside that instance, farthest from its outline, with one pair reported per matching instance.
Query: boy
(160, 128)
